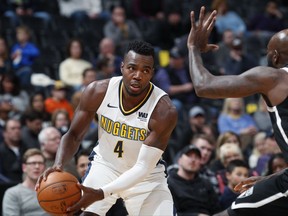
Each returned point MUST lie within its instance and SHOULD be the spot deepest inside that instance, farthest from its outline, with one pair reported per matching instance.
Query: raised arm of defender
(257, 80)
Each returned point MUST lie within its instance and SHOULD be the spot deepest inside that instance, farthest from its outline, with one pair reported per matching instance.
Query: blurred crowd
(72, 43)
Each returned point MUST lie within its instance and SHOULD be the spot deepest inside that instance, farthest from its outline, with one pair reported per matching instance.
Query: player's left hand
(200, 32)
(89, 196)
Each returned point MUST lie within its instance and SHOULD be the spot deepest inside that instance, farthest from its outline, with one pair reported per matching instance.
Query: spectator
(148, 9)
(271, 149)
(259, 149)
(192, 194)
(223, 52)
(105, 67)
(49, 139)
(71, 69)
(82, 162)
(236, 171)
(206, 146)
(234, 118)
(226, 137)
(261, 116)
(58, 99)
(11, 151)
(107, 49)
(89, 75)
(238, 61)
(5, 109)
(17, 9)
(32, 125)
(60, 120)
(10, 91)
(5, 61)
(82, 11)
(264, 24)
(228, 19)
(23, 54)
(22, 198)
(227, 153)
(276, 163)
(36, 104)
(197, 125)
(121, 30)
(175, 80)
(174, 24)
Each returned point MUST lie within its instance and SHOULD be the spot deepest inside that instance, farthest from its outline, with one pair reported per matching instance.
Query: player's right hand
(45, 174)
(89, 196)
(200, 32)
(247, 183)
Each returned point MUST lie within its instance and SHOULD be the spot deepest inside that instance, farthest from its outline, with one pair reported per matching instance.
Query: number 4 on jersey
(119, 149)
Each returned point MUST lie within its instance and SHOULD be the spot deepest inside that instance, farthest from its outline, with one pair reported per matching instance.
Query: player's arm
(161, 125)
(90, 101)
(251, 181)
(256, 80)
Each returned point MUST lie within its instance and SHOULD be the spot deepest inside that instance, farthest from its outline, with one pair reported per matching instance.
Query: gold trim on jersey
(136, 107)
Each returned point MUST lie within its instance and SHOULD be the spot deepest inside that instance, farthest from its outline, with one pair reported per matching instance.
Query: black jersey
(279, 119)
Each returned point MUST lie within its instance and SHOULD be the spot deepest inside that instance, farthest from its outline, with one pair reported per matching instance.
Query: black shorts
(266, 198)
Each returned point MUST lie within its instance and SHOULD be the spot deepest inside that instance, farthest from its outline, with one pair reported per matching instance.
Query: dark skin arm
(89, 103)
(249, 182)
(161, 125)
(270, 82)
(261, 80)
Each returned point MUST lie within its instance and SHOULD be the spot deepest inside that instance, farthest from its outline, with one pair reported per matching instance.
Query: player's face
(269, 60)
(271, 51)
(137, 72)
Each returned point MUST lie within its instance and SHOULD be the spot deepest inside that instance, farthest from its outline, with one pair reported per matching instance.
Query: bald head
(277, 52)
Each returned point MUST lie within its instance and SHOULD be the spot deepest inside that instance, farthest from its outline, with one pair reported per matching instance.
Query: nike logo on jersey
(110, 106)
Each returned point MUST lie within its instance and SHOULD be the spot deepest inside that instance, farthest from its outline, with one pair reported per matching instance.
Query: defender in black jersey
(260, 195)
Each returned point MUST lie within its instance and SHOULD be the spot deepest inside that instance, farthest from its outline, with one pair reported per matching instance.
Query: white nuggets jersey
(122, 132)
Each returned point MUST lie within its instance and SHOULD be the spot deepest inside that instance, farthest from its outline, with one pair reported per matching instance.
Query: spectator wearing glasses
(21, 199)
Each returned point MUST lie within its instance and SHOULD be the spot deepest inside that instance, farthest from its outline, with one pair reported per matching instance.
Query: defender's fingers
(201, 16)
(211, 23)
(192, 18)
(238, 186)
(212, 47)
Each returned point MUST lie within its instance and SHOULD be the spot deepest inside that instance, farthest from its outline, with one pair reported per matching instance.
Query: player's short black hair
(141, 47)
(236, 163)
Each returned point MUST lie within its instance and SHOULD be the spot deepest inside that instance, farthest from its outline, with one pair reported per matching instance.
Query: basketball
(58, 192)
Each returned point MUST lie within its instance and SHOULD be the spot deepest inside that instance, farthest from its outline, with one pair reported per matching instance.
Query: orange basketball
(58, 192)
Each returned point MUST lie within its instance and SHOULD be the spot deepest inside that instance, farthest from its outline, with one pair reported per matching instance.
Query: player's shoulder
(165, 108)
(99, 86)
(266, 72)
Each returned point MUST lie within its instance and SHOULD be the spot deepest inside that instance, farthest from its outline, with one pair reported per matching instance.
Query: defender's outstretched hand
(247, 183)
(200, 32)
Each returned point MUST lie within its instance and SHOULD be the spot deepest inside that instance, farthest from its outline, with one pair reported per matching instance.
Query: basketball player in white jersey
(267, 195)
(135, 120)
